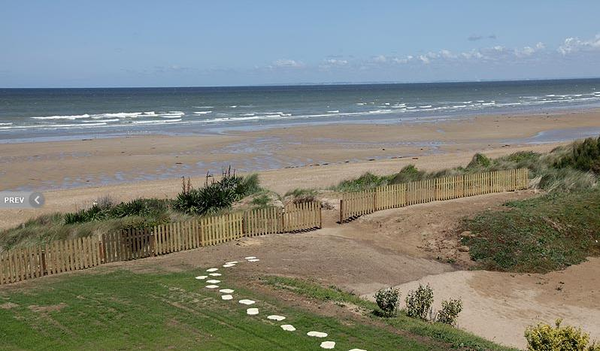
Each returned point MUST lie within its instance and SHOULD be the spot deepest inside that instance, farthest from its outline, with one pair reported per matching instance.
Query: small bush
(262, 200)
(544, 337)
(450, 311)
(366, 181)
(479, 161)
(584, 156)
(407, 174)
(418, 303)
(387, 300)
(216, 195)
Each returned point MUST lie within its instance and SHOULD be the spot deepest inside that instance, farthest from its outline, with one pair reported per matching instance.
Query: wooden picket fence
(131, 244)
(356, 204)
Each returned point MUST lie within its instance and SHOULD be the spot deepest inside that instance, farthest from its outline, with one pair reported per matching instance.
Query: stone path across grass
(226, 295)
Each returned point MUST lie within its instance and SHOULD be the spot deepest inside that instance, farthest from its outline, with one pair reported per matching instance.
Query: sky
(134, 43)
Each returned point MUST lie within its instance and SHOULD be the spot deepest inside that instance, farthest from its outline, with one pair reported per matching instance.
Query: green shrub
(261, 201)
(364, 182)
(449, 312)
(150, 208)
(544, 337)
(407, 174)
(302, 195)
(479, 161)
(216, 195)
(387, 300)
(418, 303)
(584, 156)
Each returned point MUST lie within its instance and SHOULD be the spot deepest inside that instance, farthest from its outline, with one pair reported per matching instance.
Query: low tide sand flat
(226, 291)
(247, 302)
(201, 277)
(227, 297)
(328, 345)
(252, 311)
(317, 334)
(275, 317)
(212, 269)
(215, 274)
(213, 281)
(288, 327)
(212, 286)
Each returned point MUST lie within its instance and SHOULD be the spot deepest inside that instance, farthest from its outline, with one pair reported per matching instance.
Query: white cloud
(380, 59)
(336, 62)
(572, 45)
(287, 63)
(528, 50)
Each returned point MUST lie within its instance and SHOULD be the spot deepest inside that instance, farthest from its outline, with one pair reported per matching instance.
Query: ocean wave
(5, 124)
(158, 121)
(202, 112)
(207, 107)
(69, 117)
(334, 111)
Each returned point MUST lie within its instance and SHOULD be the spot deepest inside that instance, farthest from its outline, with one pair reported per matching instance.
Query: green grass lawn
(126, 310)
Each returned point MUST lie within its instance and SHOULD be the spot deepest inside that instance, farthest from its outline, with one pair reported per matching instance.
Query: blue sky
(210, 43)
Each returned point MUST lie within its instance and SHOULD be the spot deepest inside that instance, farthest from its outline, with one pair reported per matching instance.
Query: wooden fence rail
(131, 244)
(356, 204)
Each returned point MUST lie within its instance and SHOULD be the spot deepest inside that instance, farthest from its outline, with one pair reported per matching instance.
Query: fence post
(43, 262)
(341, 210)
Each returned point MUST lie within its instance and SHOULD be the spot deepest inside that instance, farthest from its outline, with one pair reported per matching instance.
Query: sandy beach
(75, 173)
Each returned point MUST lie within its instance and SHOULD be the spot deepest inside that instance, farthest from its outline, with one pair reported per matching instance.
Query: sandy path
(499, 306)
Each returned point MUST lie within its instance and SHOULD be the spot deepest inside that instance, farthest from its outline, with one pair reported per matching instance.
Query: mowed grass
(125, 310)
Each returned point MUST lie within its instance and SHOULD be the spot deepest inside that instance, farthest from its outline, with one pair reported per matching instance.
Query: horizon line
(320, 84)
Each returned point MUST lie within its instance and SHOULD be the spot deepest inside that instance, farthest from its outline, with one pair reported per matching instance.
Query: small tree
(387, 300)
(544, 337)
(418, 303)
(450, 310)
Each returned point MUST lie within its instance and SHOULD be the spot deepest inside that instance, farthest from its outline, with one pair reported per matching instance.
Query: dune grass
(106, 215)
(567, 168)
(157, 311)
(541, 234)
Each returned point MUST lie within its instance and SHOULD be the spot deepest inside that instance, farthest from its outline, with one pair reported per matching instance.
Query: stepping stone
(250, 257)
(276, 318)
(201, 277)
(317, 334)
(252, 311)
(212, 269)
(227, 297)
(247, 302)
(328, 345)
(213, 281)
(232, 262)
(288, 327)
(254, 260)
(214, 274)
(226, 291)
(228, 265)
(212, 286)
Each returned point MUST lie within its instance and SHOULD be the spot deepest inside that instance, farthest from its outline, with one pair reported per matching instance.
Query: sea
(29, 115)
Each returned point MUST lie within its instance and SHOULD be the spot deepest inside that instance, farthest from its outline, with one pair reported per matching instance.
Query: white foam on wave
(334, 111)
(5, 124)
(202, 112)
(69, 117)
(158, 122)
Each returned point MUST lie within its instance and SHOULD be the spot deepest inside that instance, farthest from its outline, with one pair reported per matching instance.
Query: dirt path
(499, 306)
